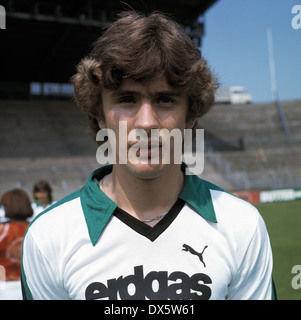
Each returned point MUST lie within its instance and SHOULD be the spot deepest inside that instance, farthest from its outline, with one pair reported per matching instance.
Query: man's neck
(143, 198)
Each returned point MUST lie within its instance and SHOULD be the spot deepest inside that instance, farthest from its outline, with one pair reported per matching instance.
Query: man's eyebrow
(118, 93)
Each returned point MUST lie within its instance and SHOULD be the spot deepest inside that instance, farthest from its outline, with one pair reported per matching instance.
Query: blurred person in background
(42, 194)
(17, 210)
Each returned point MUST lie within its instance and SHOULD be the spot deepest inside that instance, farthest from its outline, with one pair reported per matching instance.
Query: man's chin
(147, 170)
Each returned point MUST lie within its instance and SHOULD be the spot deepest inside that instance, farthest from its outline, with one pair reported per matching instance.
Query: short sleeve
(253, 280)
(39, 279)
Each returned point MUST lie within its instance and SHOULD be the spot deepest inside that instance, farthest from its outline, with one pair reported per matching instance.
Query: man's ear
(190, 124)
(101, 123)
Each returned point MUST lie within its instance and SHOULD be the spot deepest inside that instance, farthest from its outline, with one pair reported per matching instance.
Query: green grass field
(283, 220)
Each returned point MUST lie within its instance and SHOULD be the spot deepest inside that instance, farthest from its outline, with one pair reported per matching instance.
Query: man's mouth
(146, 151)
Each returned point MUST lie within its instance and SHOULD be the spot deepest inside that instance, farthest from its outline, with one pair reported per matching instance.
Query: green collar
(98, 208)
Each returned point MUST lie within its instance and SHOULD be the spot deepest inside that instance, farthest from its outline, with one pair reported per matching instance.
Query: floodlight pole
(274, 86)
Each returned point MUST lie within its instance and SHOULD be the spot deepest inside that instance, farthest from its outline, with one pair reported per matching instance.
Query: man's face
(155, 105)
(41, 197)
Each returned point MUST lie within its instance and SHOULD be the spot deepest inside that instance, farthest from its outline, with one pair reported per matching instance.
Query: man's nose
(146, 117)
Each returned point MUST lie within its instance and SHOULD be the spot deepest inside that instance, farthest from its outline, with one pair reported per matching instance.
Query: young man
(42, 194)
(146, 229)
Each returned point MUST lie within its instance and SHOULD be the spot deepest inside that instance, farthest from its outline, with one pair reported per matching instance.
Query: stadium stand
(44, 139)
(40, 128)
(247, 145)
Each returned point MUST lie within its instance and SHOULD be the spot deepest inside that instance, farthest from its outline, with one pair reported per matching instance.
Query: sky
(236, 46)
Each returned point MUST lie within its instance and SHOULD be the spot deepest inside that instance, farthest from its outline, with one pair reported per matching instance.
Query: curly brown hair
(142, 48)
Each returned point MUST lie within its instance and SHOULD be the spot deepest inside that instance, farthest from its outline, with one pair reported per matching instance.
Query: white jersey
(211, 245)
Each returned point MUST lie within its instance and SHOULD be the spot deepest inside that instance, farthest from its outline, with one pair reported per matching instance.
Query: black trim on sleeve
(274, 291)
(23, 289)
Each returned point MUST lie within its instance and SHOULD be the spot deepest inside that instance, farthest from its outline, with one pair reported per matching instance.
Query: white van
(232, 95)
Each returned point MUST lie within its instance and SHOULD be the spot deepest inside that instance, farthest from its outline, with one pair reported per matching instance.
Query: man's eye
(165, 100)
(127, 99)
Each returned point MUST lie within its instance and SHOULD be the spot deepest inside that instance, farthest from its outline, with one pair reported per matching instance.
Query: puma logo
(187, 248)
